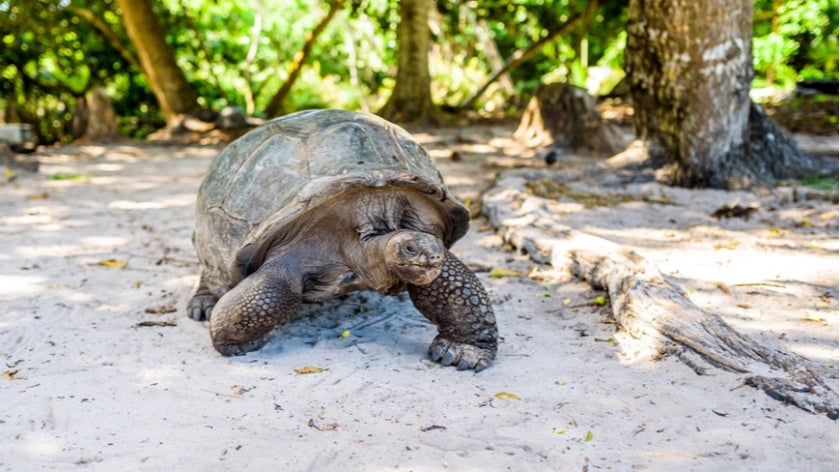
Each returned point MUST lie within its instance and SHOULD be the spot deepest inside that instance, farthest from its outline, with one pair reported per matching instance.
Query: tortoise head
(414, 257)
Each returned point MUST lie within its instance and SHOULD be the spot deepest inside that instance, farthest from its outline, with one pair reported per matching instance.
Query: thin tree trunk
(174, 94)
(352, 61)
(520, 57)
(275, 104)
(494, 57)
(202, 47)
(411, 99)
(256, 32)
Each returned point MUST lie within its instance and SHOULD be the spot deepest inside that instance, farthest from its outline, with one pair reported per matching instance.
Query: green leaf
(499, 272)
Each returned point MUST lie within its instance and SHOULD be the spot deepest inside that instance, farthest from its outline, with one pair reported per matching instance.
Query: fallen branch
(648, 307)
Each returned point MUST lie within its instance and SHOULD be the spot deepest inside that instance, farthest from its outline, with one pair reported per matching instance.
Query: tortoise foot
(242, 348)
(461, 355)
(201, 305)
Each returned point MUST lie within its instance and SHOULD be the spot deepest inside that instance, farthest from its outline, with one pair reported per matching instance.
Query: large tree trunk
(411, 99)
(689, 67)
(174, 94)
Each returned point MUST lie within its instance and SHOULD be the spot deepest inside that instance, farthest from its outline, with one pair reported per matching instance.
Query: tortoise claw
(461, 355)
(201, 306)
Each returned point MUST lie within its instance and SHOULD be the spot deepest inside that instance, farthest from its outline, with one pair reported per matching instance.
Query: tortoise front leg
(244, 316)
(457, 303)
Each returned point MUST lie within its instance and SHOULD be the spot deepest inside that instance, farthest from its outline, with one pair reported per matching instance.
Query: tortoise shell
(263, 183)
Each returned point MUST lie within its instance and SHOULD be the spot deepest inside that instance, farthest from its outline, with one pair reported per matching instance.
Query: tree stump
(94, 118)
(647, 306)
(564, 116)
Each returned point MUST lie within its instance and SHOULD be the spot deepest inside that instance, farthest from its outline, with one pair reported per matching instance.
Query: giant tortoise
(316, 204)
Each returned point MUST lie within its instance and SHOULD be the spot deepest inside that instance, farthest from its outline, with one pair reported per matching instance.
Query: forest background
(267, 58)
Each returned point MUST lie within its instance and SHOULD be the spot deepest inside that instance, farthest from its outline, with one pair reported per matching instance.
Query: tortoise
(316, 204)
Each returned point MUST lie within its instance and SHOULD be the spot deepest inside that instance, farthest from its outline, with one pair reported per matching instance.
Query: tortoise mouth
(417, 273)
(420, 264)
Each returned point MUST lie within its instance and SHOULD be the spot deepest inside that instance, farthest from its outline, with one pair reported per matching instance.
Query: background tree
(794, 40)
(411, 99)
(276, 102)
(690, 68)
(174, 93)
(243, 53)
(50, 58)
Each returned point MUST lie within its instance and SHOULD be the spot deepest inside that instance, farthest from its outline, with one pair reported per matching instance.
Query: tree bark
(94, 118)
(174, 94)
(274, 106)
(689, 67)
(411, 99)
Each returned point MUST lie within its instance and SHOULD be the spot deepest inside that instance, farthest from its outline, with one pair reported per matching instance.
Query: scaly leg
(458, 304)
(245, 315)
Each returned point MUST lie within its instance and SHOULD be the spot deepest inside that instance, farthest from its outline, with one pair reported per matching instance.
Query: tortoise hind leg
(458, 304)
(245, 315)
(202, 302)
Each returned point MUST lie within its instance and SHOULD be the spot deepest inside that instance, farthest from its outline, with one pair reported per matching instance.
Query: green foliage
(794, 40)
(53, 54)
(239, 53)
(823, 183)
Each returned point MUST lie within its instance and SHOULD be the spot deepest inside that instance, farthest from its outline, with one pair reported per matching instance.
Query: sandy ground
(103, 371)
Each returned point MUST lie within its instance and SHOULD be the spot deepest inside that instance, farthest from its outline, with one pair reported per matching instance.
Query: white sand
(86, 388)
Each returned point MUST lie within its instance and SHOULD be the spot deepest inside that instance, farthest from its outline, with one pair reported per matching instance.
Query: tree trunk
(94, 118)
(689, 67)
(174, 94)
(411, 99)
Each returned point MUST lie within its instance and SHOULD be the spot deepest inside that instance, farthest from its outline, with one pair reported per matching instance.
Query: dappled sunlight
(40, 446)
(462, 181)
(95, 245)
(13, 286)
(640, 353)
(35, 216)
(149, 375)
(489, 240)
(173, 201)
(815, 352)
(104, 241)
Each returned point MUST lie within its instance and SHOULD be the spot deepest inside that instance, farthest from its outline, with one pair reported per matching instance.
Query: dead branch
(648, 307)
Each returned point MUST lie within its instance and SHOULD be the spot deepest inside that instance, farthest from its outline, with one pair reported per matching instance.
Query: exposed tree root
(648, 307)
